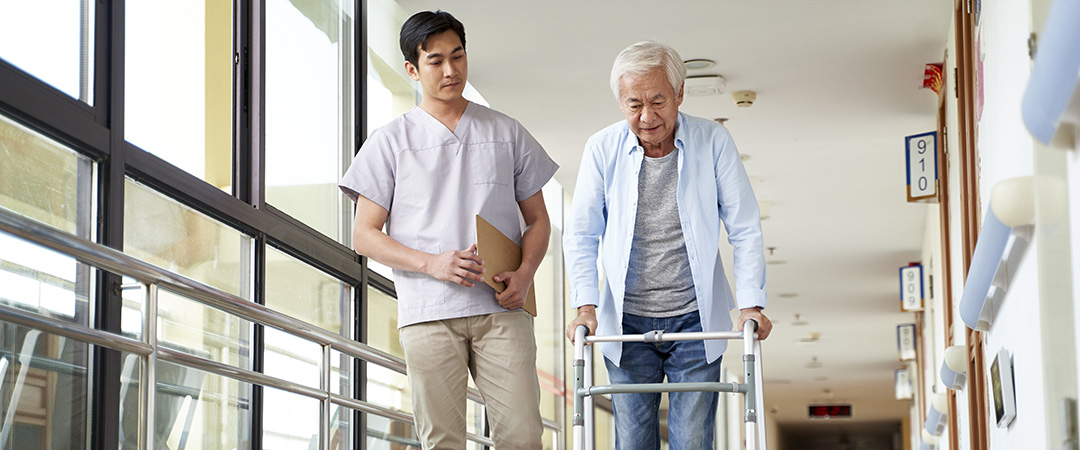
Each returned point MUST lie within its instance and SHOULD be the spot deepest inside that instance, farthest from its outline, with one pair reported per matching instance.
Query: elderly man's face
(651, 107)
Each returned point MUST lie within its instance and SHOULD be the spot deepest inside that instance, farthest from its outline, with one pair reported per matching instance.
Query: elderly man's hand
(586, 316)
(764, 325)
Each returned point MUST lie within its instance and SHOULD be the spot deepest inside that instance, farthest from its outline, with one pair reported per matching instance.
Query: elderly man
(655, 189)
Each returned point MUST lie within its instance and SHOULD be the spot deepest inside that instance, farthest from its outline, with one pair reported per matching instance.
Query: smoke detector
(744, 99)
(705, 85)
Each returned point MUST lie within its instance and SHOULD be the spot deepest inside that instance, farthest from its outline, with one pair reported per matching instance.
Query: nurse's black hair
(421, 26)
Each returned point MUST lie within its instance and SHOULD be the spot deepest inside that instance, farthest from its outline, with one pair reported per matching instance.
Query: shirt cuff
(582, 297)
(750, 298)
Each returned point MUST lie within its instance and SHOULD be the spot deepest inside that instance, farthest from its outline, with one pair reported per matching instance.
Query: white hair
(644, 57)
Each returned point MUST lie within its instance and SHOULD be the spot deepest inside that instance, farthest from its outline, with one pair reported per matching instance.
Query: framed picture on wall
(1003, 389)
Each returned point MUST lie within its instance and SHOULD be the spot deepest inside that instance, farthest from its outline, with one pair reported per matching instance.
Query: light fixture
(704, 85)
(954, 369)
(935, 417)
(698, 63)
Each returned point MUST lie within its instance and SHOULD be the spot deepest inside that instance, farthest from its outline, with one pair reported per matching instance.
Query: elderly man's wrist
(587, 308)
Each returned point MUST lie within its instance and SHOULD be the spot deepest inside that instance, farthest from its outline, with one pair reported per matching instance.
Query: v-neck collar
(458, 135)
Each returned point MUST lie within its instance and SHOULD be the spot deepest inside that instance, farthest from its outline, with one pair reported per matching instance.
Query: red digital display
(830, 411)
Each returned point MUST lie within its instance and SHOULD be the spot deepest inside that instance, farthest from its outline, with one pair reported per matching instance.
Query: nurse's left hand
(517, 287)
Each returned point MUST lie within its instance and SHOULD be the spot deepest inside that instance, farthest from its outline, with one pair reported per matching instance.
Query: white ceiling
(838, 88)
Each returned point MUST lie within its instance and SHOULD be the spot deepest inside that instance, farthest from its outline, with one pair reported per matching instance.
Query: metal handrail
(118, 262)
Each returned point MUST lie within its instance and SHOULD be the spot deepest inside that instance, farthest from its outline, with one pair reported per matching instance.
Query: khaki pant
(500, 352)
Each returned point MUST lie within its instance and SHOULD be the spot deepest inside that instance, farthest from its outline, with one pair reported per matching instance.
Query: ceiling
(838, 89)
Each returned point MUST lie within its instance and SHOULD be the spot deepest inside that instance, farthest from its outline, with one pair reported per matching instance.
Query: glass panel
(550, 440)
(165, 233)
(306, 293)
(382, 331)
(196, 409)
(131, 371)
(550, 337)
(45, 378)
(292, 358)
(289, 420)
(41, 280)
(341, 428)
(131, 315)
(179, 85)
(341, 369)
(309, 110)
(193, 328)
(386, 434)
(388, 388)
(52, 40)
(42, 179)
(605, 428)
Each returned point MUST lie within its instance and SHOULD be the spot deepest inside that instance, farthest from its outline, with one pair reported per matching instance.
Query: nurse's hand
(457, 266)
(517, 289)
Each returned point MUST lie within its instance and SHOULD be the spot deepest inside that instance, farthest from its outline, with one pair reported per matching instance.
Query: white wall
(1005, 151)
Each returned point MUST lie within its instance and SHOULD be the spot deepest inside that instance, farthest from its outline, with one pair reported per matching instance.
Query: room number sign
(921, 167)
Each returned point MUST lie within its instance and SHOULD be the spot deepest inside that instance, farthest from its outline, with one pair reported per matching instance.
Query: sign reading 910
(921, 166)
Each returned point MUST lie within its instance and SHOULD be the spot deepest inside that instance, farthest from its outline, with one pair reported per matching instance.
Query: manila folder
(500, 254)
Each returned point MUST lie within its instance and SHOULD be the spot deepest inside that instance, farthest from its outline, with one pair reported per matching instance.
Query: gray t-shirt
(434, 182)
(658, 278)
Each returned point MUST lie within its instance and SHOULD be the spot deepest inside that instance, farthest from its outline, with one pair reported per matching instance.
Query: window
(163, 232)
(309, 111)
(52, 40)
(195, 409)
(45, 378)
(179, 85)
(306, 293)
(49, 183)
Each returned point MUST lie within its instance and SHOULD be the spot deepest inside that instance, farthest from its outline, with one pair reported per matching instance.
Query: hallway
(169, 214)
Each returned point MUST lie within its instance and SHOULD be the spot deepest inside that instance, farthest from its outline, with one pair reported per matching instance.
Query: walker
(584, 390)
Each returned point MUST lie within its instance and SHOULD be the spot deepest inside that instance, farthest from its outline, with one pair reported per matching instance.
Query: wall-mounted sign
(830, 411)
(905, 341)
(903, 384)
(932, 78)
(922, 167)
(911, 288)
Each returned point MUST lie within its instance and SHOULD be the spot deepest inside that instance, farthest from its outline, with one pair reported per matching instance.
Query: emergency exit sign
(830, 411)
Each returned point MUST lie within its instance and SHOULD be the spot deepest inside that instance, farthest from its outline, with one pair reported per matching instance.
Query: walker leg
(579, 384)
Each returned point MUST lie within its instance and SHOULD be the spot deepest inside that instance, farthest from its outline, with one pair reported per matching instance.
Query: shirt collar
(631, 142)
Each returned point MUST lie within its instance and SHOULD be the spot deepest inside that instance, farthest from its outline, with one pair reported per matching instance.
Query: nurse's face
(442, 68)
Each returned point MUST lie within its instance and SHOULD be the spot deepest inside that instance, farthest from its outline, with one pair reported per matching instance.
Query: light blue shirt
(713, 189)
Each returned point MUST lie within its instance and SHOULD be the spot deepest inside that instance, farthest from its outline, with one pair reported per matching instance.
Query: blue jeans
(691, 415)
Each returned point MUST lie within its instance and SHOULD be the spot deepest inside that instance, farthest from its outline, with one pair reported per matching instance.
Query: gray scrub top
(434, 182)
